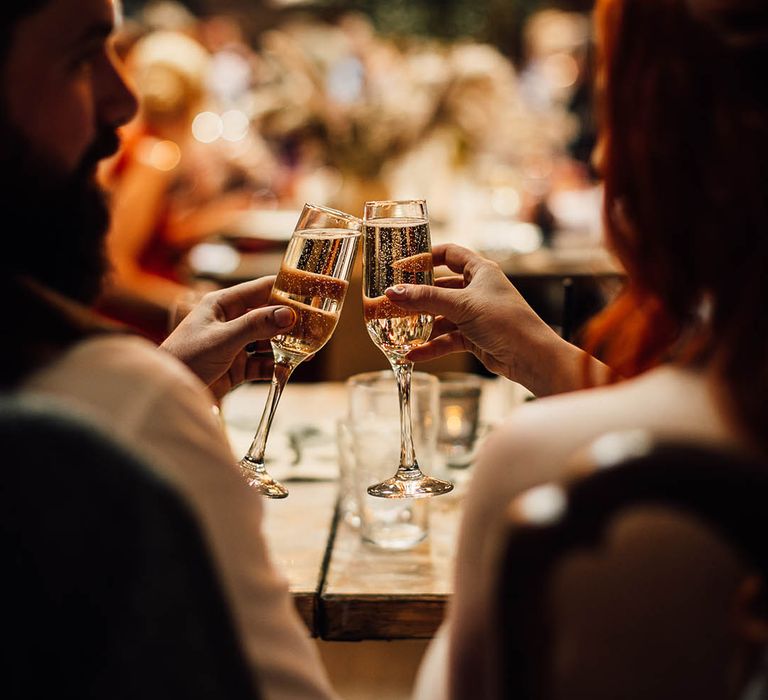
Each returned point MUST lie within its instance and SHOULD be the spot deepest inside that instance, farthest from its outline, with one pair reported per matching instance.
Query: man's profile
(62, 101)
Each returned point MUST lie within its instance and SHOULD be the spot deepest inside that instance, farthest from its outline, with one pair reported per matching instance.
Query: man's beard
(55, 223)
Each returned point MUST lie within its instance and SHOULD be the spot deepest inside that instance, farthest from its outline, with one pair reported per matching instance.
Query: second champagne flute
(397, 250)
(313, 281)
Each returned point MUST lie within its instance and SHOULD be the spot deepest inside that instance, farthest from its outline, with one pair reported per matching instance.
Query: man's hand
(481, 312)
(211, 339)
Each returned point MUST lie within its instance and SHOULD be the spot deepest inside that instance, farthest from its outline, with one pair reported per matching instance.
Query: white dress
(534, 446)
(153, 404)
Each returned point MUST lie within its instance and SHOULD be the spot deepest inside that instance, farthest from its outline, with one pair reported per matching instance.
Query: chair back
(580, 592)
(108, 590)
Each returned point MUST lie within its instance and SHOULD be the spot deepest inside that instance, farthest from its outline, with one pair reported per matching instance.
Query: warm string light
(165, 155)
(161, 154)
(207, 127)
(232, 126)
(235, 125)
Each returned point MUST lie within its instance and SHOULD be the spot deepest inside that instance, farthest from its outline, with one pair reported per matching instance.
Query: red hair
(683, 103)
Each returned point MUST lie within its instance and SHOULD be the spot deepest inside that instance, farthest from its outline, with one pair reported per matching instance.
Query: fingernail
(398, 290)
(283, 316)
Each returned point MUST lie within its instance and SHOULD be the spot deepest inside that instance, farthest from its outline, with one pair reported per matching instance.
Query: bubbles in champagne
(412, 265)
(308, 283)
(318, 289)
(382, 307)
(329, 252)
(397, 251)
(399, 335)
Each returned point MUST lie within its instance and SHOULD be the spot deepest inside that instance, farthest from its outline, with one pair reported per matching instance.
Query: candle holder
(459, 417)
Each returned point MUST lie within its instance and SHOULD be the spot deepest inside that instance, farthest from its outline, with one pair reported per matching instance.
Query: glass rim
(383, 209)
(329, 210)
(382, 202)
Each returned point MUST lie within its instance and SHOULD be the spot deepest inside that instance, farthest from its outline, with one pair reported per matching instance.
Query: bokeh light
(541, 505)
(506, 201)
(165, 155)
(235, 125)
(561, 70)
(207, 127)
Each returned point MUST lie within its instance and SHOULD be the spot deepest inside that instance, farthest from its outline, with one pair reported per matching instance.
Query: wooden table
(343, 588)
(373, 594)
(346, 590)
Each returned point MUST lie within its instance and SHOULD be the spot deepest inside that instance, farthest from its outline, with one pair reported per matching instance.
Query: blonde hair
(170, 70)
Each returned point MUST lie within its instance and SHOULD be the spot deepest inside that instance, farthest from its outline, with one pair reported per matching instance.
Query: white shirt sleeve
(154, 405)
(433, 678)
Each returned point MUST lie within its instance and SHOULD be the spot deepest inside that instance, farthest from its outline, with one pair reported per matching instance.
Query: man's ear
(750, 610)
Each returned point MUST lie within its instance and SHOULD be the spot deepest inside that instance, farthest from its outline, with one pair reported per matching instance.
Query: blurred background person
(476, 106)
(172, 184)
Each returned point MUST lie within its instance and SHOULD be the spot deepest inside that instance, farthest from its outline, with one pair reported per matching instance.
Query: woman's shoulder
(536, 443)
(669, 402)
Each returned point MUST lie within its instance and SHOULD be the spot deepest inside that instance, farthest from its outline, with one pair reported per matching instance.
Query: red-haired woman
(683, 103)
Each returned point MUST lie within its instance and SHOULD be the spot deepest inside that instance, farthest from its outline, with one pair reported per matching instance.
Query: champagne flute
(313, 281)
(397, 249)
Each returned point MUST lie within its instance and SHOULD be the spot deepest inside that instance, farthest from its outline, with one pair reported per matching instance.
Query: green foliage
(447, 19)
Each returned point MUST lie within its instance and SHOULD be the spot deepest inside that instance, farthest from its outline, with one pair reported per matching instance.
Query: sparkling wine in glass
(313, 281)
(397, 250)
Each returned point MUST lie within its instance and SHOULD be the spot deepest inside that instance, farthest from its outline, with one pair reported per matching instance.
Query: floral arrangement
(342, 96)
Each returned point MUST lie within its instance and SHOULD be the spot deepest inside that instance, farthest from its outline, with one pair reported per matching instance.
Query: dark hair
(42, 323)
(11, 11)
(684, 107)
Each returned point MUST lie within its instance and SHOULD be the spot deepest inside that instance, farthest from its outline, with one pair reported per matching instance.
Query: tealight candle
(459, 413)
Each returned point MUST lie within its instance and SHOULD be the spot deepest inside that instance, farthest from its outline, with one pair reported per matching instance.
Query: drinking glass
(397, 250)
(373, 429)
(313, 281)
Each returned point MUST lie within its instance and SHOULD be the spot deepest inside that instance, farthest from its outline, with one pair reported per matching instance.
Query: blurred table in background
(350, 349)
(558, 280)
(229, 260)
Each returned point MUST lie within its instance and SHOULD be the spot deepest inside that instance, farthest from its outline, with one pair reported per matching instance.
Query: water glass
(373, 423)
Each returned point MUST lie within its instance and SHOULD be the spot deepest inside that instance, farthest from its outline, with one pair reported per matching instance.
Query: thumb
(260, 324)
(437, 301)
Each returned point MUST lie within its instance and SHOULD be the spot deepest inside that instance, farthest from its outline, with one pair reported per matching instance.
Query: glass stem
(280, 376)
(403, 370)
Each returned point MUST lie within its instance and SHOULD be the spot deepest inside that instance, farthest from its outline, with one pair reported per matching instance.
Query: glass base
(414, 485)
(397, 537)
(257, 478)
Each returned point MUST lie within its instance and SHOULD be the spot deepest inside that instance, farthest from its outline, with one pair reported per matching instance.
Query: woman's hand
(481, 312)
(211, 339)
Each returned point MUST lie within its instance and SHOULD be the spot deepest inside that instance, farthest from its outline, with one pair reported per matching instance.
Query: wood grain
(358, 617)
(297, 529)
(371, 593)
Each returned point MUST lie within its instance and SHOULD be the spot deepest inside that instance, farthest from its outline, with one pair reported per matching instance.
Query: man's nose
(118, 102)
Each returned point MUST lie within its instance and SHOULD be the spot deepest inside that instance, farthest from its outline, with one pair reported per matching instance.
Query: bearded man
(63, 100)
